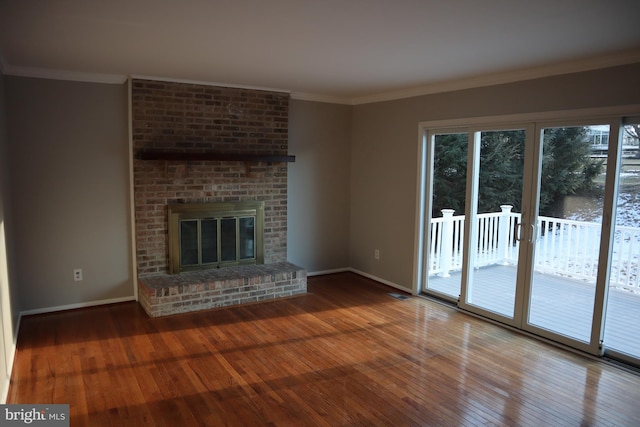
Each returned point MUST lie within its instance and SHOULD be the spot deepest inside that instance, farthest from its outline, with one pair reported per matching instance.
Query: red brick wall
(197, 118)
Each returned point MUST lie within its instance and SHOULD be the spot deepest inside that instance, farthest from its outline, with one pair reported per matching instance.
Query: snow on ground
(589, 209)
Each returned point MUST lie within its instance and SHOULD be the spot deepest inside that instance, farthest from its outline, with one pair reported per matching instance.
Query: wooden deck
(559, 304)
(344, 354)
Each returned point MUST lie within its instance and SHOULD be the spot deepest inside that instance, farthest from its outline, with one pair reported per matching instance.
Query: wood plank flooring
(345, 354)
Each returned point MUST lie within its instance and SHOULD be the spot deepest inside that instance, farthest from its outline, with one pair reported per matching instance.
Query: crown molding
(579, 65)
(206, 83)
(78, 76)
(315, 97)
(555, 69)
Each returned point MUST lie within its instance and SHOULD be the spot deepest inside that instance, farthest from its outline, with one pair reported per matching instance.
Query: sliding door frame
(612, 186)
(594, 346)
(426, 158)
(473, 169)
(609, 115)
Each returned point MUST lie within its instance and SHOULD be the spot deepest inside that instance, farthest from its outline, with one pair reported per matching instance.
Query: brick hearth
(163, 295)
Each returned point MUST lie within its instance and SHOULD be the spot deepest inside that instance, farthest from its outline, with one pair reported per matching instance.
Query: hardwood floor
(345, 354)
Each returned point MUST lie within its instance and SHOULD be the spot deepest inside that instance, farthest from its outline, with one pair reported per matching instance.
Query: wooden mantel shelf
(229, 157)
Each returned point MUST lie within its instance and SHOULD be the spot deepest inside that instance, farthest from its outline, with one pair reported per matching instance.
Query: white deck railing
(563, 247)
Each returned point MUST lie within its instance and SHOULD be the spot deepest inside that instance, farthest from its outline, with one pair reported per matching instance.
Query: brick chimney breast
(191, 118)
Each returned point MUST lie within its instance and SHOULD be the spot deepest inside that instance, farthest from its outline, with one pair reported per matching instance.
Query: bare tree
(633, 132)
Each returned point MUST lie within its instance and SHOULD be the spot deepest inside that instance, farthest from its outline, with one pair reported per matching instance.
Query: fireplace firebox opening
(213, 235)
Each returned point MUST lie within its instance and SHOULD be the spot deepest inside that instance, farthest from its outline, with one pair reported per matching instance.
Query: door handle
(518, 232)
(533, 230)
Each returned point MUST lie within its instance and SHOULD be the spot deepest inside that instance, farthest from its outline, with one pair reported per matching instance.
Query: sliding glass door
(495, 196)
(621, 332)
(568, 230)
(447, 155)
(547, 235)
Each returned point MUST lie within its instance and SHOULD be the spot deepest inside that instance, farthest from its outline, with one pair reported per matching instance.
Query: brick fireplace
(206, 144)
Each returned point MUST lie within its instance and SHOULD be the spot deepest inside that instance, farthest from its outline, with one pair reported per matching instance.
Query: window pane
(228, 239)
(209, 238)
(447, 216)
(247, 238)
(492, 281)
(568, 230)
(188, 242)
(621, 331)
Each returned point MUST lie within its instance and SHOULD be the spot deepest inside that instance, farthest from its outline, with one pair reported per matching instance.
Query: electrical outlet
(376, 254)
(77, 275)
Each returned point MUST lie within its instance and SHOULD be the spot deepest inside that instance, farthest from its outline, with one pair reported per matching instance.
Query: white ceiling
(342, 50)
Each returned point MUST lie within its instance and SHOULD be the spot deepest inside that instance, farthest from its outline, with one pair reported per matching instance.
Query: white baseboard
(78, 305)
(378, 279)
(361, 273)
(322, 272)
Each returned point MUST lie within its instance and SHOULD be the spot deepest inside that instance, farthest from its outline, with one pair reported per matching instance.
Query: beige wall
(70, 191)
(318, 198)
(384, 151)
(351, 189)
(73, 167)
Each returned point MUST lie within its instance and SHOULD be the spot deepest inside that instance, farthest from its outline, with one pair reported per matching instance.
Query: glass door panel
(446, 231)
(209, 239)
(621, 332)
(228, 239)
(493, 246)
(247, 238)
(189, 243)
(568, 230)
